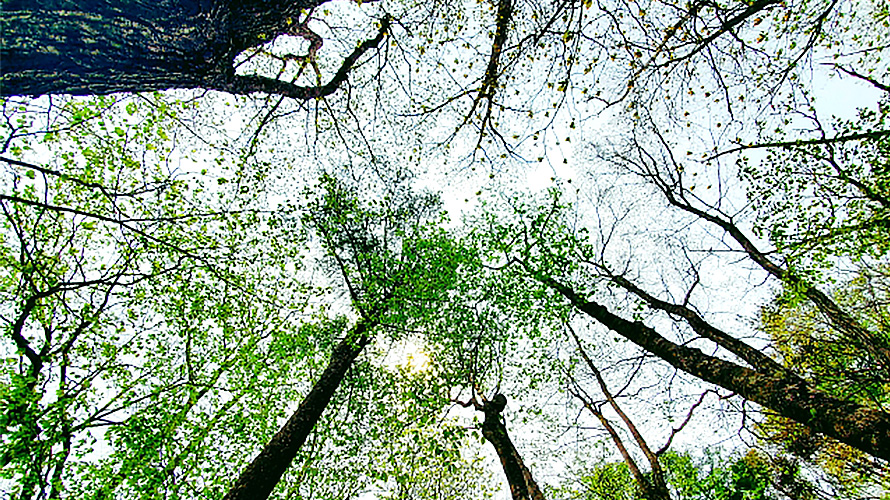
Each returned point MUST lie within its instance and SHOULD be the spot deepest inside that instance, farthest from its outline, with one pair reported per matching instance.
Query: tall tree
(806, 343)
(494, 430)
(393, 265)
(652, 485)
(542, 247)
(261, 476)
(93, 238)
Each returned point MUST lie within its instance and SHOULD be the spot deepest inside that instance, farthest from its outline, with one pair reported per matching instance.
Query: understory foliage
(640, 227)
(715, 475)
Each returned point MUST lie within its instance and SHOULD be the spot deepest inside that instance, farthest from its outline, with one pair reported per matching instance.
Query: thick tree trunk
(85, 47)
(840, 319)
(788, 395)
(260, 476)
(522, 486)
(82, 47)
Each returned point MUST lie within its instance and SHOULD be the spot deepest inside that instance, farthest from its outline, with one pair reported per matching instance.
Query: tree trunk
(522, 486)
(654, 489)
(85, 47)
(260, 477)
(788, 395)
(654, 486)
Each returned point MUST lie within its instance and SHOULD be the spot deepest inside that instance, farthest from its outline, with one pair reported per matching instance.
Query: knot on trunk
(495, 405)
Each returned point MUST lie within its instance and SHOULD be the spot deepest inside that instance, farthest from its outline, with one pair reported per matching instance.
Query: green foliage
(387, 244)
(818, 201)
(387, 432)
(713, 476)
(720, 477)
(137, 309)
(161, 317)
(500, 328)
(603, 481)
(163, 329)
(841, 365)
(837, 363)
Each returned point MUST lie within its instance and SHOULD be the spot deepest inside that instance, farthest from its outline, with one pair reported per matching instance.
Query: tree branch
(655, 489)
(872, 135)
(875, 83)
(248, 84)
(754, 357)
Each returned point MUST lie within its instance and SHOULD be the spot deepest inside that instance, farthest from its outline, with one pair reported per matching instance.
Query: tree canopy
(388, 249)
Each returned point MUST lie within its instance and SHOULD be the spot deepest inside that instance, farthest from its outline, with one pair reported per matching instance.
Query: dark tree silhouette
(95, 47)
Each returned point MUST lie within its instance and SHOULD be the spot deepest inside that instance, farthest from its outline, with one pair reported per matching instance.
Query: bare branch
(249, 84)
(875, 83)
(870, 135)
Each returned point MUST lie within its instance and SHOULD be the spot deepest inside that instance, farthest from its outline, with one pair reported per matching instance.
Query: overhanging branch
(870, 135)
(249, 84)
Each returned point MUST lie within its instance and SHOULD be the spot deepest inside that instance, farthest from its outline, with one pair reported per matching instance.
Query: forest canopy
(620, 249)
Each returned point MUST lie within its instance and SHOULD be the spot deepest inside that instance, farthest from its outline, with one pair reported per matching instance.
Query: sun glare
(417, 360)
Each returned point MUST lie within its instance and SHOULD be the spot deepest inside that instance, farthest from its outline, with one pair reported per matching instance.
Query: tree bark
(837, 317)
(522, 486)
(260, 477)
(788, 395)
(86, 47)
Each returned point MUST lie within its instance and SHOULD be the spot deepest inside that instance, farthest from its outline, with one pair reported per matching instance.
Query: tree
(52, 48)
(837, 181)
(382, 251)
(91, 241)
(753, 476)
(685, 88)
(807, 344)
(263, 474)
(519, 477)
(110, 258)
(540, 246)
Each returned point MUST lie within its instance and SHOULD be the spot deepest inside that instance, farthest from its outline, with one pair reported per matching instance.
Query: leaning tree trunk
(654, 486)
(522, 486)
(260, 477)
(85, 47)
(785, 393)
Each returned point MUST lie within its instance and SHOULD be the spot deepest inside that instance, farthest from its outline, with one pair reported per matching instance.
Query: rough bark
(836, 316)
(260, 477)
(788, 395)
(85, 47)
(522, 486)
(754, 357)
